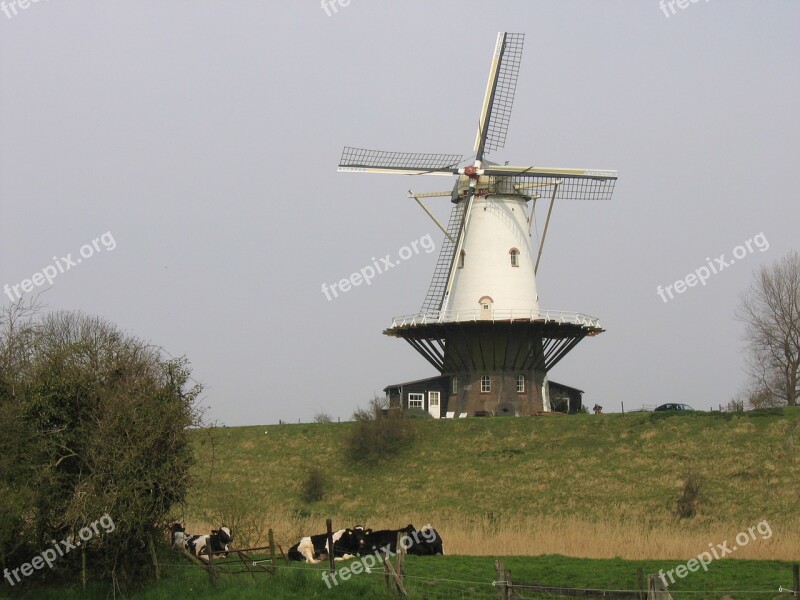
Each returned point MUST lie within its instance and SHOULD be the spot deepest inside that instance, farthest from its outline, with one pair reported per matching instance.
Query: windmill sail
(574, 184)
(499, 97)
(409, 163)
(492, 128)
(435, 296)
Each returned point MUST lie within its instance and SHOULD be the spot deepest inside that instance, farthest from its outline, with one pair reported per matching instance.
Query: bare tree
(770, 308)
(323, 417)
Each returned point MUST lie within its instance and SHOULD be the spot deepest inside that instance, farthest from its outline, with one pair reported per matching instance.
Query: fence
(655, 589)
(241, 560)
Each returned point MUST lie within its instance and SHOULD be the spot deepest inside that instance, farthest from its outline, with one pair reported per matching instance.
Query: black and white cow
(178, 535)
(312, 547)
(425, 541)
(202, 545)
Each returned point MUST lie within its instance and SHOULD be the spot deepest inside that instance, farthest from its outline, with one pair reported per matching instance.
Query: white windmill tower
(480, 322)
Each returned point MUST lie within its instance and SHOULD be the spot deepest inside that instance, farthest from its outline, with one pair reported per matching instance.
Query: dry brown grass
(528, 536)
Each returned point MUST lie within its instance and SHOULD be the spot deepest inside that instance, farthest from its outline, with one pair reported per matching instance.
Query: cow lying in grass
(178, 535)
(200, 545)
(422, 542)
(203, 545)
(312, 547)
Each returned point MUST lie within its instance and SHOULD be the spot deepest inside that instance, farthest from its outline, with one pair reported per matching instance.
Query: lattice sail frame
(441, 273)
(499, 97)
(569, 188)
(412, 163)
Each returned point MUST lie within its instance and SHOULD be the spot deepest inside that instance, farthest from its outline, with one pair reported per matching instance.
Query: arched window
(520, 384)
(486, 384)
(461, 259)
(514, 253)
(455, 384)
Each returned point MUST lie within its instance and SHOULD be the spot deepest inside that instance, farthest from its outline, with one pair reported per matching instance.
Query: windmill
(480, 323)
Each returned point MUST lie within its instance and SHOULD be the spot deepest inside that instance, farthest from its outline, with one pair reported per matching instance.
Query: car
(673, 406)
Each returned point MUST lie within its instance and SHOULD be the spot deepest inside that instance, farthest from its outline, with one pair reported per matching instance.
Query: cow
(203, 545)
(178, 535)
(312, 547)
(430, 545)
(425, 541)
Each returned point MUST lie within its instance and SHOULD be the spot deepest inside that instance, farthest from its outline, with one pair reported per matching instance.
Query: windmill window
(416, 400)
(514, 253)
(461, 259)
(486, 384)
(455, 385)
(520, 384)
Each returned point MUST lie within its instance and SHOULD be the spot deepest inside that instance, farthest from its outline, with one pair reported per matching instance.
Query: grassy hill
(583, 485)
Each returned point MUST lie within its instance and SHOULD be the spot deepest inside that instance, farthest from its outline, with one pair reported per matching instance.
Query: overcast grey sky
(204, 136)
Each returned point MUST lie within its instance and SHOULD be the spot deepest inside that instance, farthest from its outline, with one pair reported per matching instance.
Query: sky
(186, 150)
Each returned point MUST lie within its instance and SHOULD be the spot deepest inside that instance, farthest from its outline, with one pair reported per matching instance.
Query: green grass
(582, 465)
(451, 576)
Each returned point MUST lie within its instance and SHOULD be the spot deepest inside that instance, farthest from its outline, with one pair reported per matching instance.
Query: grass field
(577, 501)
(462, 577)
(583, 485)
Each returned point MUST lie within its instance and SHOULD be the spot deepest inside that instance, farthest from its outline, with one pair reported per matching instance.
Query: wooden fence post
(153, 556)
(212, 570)
(393, 579)
(385, 560)
(329, 525)
(401, 553)
(84, 575)
(796, 579)
(640, 582)
(271, 539)
(656, 590)
(500, 579)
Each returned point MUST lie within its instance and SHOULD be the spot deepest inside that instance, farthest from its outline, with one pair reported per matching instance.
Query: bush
(323, 418)
(417, 413)
(378, 434)
(104, 417)
(314, 485)
(689, 500)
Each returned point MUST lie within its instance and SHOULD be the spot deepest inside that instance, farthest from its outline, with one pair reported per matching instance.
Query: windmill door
(433, 404)
(486, 307)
